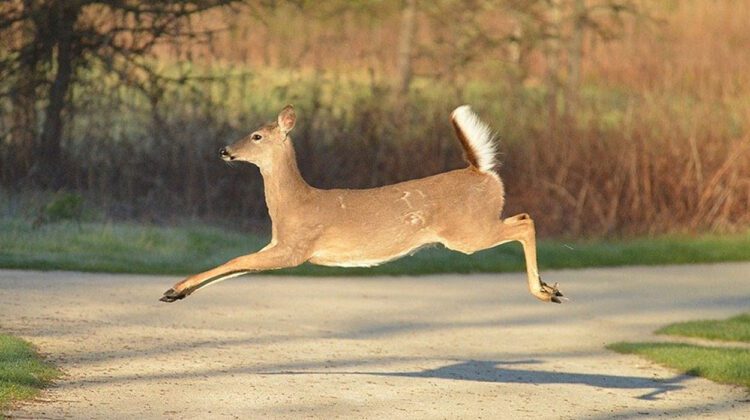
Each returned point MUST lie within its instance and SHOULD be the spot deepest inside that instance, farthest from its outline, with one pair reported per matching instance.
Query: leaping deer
(361, 228)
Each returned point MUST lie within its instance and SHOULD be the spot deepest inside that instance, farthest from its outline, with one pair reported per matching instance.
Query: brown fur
(468, 151)
(459, 209)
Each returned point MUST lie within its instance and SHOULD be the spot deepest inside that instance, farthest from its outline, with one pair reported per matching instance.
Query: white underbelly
(341, 259)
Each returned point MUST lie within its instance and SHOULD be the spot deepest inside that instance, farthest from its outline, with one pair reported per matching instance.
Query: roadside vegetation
(622, 118)
(733, 329)
(22, 371)
(190, 247)
(725, 364)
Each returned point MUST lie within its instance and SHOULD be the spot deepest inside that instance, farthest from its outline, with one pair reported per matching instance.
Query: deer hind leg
(516, 228)
(266, 259)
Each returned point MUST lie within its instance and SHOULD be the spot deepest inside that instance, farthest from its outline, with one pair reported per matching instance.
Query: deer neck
(283, 183)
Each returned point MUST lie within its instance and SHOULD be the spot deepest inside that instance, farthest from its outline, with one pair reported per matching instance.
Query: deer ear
(286, 119)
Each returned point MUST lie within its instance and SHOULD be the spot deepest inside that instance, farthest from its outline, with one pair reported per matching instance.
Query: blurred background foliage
(616, 117)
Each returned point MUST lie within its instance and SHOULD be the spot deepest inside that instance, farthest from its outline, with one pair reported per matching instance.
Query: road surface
(446, 346)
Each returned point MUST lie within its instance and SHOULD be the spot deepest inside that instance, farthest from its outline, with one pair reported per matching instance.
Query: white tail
(459, 209)
(476, 138)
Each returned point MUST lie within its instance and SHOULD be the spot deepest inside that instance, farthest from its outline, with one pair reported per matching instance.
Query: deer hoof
(551, 293)
(171, 295)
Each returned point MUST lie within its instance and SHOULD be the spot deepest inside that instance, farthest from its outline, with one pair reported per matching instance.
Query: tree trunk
(553, 63)
(22, 133)
(514, 48)
(49, 153)
(18, 163)
(406, 45)
(575, 54)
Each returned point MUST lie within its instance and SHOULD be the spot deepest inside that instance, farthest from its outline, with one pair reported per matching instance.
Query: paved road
(402, 347)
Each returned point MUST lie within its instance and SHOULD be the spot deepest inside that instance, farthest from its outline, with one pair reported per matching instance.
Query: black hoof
(171, 296)
(553, 292)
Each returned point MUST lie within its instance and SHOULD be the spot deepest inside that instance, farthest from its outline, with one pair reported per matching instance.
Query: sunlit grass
(22, 372)
(133, 248)
(733, 329)
(724, 365)
(720, 364)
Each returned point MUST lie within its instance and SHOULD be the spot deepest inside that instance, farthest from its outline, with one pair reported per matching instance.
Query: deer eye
(257, 137)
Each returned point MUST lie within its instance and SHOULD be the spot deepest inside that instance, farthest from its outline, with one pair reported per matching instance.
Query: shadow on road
(495, 371)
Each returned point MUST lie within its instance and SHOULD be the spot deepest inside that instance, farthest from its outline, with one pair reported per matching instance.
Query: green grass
(724, 365)
(22, 372)
(118, 247)
(133, 248)
(733, 329)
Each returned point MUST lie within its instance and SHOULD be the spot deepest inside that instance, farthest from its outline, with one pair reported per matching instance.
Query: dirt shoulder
(449, 346)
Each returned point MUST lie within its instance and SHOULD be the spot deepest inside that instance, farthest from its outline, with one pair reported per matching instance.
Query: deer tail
(476, 138)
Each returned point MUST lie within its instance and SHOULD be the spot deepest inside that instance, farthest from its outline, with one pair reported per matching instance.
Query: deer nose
(223, 153)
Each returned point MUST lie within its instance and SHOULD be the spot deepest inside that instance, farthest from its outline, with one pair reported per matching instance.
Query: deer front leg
(267, 259)
(521, 228)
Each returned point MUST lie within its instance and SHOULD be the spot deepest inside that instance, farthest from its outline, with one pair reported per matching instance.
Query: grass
(721, 364)
(132, 248)
(733, 329)
(22, 372)
(724, 365)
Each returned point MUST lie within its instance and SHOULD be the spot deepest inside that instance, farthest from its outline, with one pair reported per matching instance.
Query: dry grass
(659, 142)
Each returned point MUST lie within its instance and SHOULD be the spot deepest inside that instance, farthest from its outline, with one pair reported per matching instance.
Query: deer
(460, 209)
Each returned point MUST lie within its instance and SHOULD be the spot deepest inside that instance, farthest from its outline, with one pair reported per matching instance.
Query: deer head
(265, 145)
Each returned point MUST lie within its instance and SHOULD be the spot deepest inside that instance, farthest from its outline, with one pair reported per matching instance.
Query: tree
(558, 29)
(604, 20)
(47, 43)
(406, 45)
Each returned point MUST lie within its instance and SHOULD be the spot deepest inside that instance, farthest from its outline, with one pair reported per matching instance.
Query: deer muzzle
(224, 154)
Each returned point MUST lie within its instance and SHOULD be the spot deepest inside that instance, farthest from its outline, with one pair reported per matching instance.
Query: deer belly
(359, 259)
(366, 253)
